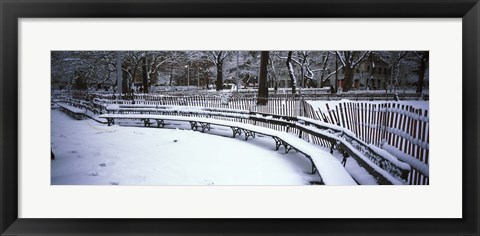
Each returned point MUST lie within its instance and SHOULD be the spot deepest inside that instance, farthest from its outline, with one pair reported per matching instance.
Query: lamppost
(188, 75)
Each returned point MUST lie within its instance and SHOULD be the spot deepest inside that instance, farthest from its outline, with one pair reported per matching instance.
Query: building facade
(368, 74)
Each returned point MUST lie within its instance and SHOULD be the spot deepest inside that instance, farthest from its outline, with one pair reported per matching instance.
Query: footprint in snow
(107, 164)
(93, 174)
(114, 183)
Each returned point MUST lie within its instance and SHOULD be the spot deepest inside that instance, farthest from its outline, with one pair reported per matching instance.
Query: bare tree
(94, 67)
(262, 98)
(350, 60)
(291, 72)
(272, 64)
(423, 57)
(217, 58)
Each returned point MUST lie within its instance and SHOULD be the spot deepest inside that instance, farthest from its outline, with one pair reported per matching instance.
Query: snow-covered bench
(384, 166)
(329, 168)
(156, 109)
(73, 111)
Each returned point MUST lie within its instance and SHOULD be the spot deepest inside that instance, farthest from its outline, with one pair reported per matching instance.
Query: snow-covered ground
(90, 153)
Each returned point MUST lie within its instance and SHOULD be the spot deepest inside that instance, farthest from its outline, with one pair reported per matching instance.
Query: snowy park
(187, 118)
(177, 156)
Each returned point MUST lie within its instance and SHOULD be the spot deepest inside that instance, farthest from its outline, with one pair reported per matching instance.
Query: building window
(358, 70)
(368, 68)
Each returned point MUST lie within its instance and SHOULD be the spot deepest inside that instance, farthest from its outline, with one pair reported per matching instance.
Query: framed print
(224, 117)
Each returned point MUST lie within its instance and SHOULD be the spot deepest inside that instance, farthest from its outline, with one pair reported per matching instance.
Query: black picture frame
(11, 11)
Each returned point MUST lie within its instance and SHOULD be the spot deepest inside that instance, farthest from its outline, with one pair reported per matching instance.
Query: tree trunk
(336, 73)
(153, 78)
(145, 75)
(290, 72)
(302, 76)
(320, 84)
(262, 97)
(119, 73)
(421, 73)
(125, 84)
(219, 82)
(171, 76)
(348, 79)
(274, 75)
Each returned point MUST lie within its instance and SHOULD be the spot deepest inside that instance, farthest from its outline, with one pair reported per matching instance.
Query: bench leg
(331, 147)
(279, 143)
(248, 133)
(146, 122)
(287, 147)
(236, 131)
(193, 125)
(110, 121)
(314, 168)
(160, 123)
(205, 126)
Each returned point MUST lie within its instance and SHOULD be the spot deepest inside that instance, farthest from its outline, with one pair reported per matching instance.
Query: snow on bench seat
(384, 163)
(329, 168)
(71, 108)
(166, 108)
(75, 112)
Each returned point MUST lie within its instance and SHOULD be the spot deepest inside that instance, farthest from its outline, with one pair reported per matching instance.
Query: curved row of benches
(329, 169)
(377, 162)
(383, 166)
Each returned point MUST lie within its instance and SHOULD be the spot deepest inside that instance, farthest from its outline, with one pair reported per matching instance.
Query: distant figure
(396, 98)
(332, 89)
(345, 156)
(52, 155)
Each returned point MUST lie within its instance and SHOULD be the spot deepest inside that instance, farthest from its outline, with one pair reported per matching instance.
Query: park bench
(168, 109)
(381, 164)
(373, 159)
(328, 168)
(75, 112)
(385, 167)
